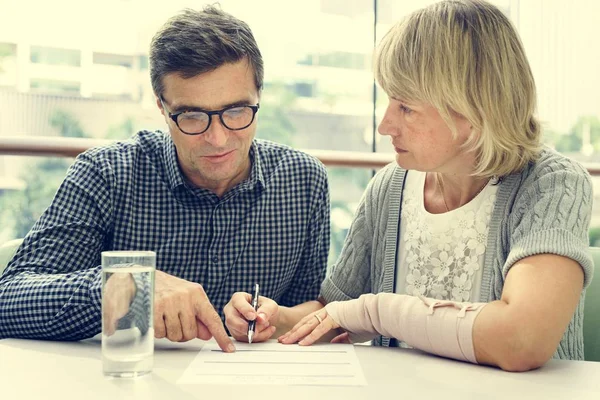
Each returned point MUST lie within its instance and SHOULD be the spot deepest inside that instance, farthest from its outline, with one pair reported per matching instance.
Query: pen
(252, 323)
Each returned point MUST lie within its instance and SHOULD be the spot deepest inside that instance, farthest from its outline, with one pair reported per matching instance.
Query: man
(221, 209)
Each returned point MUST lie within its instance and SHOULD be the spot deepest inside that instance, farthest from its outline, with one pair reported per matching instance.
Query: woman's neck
(446, 192)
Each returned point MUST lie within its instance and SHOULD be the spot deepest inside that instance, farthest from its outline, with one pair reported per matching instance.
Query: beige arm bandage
(440, 327)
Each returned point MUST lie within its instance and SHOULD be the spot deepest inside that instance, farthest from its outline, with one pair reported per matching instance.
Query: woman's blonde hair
(464, 56)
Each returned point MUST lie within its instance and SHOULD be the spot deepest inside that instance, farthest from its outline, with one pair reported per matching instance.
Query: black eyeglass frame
(220, 112)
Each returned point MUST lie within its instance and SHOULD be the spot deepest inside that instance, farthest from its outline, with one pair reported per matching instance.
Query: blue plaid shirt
(272, 229)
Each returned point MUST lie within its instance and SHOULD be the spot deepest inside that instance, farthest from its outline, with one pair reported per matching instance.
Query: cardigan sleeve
(552, 214)
(351, 275)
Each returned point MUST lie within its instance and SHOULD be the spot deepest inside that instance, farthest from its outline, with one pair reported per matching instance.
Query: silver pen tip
(250, 337)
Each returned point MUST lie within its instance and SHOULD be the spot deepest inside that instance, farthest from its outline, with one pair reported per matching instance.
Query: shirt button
(215, 259)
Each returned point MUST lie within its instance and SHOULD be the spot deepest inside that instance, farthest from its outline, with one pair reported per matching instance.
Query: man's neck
(220, 187)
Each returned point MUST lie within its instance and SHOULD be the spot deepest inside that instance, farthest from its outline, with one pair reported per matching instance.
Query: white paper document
(276, 364)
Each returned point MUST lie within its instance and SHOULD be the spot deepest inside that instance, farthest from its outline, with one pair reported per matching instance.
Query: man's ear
(160, 106)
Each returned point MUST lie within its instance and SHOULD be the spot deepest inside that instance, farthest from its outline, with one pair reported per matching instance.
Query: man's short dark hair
(193, 42)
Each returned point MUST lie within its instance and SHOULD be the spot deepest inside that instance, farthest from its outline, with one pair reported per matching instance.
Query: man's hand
(239, 311)
(183, 312)
(119, 291)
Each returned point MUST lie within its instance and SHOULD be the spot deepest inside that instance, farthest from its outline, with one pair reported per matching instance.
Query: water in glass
(127, 350)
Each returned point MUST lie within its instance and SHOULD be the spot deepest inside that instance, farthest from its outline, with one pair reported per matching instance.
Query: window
(337, 59)
(52, 86)
(7, 50)
(143, 62)
(120, 60)
(341, 59)
(55, 56)
(303, 89)
(319, 88)
(8, 64)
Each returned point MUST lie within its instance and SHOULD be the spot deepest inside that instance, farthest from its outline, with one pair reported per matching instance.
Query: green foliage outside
(124, 130)
(594, 235)
(5, 51)
(273, 121)
(20, 209)
(67, 124)
(572, 141)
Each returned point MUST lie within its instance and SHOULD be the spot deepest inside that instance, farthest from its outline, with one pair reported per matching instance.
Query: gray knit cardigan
(546, 208)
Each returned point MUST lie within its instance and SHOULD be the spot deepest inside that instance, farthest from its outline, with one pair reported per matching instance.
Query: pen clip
(255, 297)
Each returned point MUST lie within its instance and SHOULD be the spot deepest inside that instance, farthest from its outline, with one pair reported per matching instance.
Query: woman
(476, 239)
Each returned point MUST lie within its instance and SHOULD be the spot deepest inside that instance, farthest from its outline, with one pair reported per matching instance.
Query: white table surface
(31, 369)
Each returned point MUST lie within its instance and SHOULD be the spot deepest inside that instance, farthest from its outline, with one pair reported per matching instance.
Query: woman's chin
(403, 161)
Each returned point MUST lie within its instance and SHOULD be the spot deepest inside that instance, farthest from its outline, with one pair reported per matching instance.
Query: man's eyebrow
(185, 107)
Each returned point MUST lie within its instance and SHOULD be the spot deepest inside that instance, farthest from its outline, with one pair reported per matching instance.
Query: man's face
(217, 159)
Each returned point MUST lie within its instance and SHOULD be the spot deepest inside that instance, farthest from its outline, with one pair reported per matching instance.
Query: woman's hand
(311, 328)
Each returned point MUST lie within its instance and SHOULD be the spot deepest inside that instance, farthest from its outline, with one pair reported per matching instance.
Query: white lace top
(441, 255)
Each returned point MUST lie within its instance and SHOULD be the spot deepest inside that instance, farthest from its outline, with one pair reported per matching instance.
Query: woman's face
(422, 139)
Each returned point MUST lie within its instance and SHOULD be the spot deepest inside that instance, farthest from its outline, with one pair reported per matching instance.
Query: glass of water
(127, 312)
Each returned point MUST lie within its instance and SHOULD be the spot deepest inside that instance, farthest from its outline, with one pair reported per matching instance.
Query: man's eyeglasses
(234, 118)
